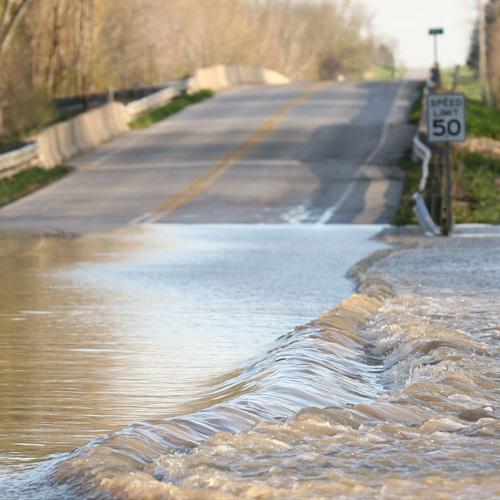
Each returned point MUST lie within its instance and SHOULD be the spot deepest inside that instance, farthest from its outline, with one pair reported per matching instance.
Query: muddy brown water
(394, 393)
(99, 332)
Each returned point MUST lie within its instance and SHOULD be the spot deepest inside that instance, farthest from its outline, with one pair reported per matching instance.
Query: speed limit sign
(446, 117)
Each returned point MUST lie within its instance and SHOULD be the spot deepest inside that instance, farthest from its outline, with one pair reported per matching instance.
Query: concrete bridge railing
(61, 141)
(221, 77)
(153, 101)
(82, 133)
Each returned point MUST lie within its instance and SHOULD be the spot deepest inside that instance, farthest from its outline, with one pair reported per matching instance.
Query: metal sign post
(446, 124)
(448, 223)
(435, 32)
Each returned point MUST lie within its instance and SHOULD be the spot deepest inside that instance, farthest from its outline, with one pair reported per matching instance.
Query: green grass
(413, 170)
(174, 106)
(482, 120)
(476, 177)
(385, 73)
(477, 189)
(416, 108)
(468, 83)
(28, 181)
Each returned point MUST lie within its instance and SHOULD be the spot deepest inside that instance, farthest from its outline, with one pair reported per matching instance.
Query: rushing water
(400, 395)
(155, 322)
(393, 393)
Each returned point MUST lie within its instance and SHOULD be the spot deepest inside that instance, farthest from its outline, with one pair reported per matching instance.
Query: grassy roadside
(482, 120)
(28, 181)
(477, 188)
(174, 106)
(382, 73)
(467, 82)
(476, 177)
(476, 181)
(416, 108)
(413, 170)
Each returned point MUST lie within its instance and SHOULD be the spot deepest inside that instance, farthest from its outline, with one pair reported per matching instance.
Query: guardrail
(424, 153)
(87, 130)
(79, 103)
(20, 159)
(421, 151)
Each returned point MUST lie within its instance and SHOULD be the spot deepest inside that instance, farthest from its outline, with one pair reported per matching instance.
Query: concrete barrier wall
(221, 77)
(59, 142)
(153, 101)
(20, 159)
(82, 133)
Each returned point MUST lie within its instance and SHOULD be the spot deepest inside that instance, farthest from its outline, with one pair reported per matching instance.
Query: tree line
(59, 48)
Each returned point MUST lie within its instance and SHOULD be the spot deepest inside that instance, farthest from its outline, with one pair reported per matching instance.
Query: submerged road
(301, 153)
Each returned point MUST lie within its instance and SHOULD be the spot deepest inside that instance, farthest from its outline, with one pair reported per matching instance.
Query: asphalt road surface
(318, 153)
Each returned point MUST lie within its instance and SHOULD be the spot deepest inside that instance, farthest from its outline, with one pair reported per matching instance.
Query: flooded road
(393, 393)
(101, 331)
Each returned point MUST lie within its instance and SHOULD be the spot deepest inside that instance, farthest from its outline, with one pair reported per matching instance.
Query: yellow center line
(207, 178)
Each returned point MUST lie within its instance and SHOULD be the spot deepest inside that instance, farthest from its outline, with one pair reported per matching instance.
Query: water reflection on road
(100, 331)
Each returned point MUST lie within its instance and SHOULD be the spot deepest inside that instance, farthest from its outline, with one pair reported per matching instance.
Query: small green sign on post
(435, 32)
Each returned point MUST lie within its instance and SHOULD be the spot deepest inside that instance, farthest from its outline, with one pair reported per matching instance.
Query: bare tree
(69, 47)
(11, 12)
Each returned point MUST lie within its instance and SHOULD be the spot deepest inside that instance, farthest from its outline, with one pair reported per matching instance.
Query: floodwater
(394, 393)
(116, 334)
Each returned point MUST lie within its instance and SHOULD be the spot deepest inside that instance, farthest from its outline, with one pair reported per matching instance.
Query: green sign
(436, 31)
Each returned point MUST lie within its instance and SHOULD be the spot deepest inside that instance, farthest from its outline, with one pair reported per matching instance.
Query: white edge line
(330, 212)
(141, 218)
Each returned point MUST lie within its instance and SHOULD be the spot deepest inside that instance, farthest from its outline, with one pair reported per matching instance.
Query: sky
(408, 21)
